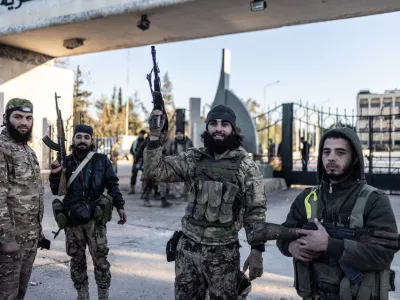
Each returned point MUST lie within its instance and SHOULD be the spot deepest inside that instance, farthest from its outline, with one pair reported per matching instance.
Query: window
(363, 103)
(397, 102)
(387, 102)
(376, 102)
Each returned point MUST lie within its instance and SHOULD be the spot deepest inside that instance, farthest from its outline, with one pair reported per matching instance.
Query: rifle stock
(263, 232)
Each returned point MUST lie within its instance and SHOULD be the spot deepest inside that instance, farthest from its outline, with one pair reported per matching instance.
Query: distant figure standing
(136, 166)
(115, 155)
(271, 151)
(305, 153)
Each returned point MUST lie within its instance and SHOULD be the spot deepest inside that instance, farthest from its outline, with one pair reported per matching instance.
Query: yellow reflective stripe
(307, 203)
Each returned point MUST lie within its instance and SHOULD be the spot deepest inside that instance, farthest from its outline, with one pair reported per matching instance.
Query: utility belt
(81, 211)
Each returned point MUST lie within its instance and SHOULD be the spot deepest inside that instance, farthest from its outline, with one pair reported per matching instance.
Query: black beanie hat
(84, 128)
(222, 112)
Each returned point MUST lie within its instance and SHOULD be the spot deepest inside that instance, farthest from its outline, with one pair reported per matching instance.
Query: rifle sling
(80, 168)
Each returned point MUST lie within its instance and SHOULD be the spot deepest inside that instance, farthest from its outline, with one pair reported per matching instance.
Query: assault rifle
(60, 148)
(158, 100)
(363, 235)
(264, 232)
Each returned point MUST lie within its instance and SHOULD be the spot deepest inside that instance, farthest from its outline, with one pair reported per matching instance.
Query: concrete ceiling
(190, 20)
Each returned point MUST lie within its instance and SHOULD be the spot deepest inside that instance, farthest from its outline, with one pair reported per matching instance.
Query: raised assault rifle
(60, 148)
(158, 100)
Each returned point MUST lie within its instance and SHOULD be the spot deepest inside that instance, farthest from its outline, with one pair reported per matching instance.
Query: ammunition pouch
(60, 214)
(103, 209)
(172, 244)
(80, 211)
(303, 281)
(313, 277)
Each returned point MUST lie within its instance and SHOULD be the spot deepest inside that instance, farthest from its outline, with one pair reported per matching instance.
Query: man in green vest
(227, 193)
(330, 268)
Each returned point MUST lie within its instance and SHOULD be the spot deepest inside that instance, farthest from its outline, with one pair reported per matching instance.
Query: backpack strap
(357, 214)
(311, 207)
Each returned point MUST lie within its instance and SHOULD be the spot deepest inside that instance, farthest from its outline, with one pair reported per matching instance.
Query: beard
(81, 152)
(347, 172)
(18, 136)
(230, 142)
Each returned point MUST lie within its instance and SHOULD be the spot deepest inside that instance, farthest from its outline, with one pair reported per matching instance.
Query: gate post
(287, 142)
(370, 147)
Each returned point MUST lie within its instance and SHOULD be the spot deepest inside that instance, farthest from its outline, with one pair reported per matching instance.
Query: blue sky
(320, 63)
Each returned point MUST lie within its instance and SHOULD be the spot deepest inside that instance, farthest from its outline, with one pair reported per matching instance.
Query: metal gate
(379, 135)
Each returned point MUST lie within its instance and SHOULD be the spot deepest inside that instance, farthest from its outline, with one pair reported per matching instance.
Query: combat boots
(103, 294)
(83, 293)
(164, 202)
(132, 192)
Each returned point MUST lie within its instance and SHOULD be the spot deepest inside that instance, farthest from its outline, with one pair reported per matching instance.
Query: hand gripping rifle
(263, 232)
(158, 101)
(60, 148)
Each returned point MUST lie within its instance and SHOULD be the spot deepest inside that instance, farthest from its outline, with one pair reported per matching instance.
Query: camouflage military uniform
(95, 236)
(21, 213)
(208, 253)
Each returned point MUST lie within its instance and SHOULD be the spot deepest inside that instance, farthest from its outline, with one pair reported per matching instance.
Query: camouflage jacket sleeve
(174, 168)
(6, 224)
(41, 204)
(255, 198)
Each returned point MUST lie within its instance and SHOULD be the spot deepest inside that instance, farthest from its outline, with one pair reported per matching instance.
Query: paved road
(137, 254)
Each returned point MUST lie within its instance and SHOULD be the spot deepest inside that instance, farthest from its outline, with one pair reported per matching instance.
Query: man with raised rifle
(227, 192)
(87, 210)
(21, 201)
(334, 267)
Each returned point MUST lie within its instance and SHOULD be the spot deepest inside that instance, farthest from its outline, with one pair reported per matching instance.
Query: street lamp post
(265, 88)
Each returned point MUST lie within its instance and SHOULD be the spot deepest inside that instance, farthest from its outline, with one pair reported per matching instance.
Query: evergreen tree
(81, 101)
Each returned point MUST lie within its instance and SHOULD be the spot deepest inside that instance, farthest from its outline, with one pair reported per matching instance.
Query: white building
(37, 84)
(386, 109)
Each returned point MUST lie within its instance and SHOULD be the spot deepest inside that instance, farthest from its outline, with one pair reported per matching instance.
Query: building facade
(382, 112)
(38, 84)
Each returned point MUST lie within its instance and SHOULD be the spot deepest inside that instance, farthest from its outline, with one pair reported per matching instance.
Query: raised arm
(173, 168)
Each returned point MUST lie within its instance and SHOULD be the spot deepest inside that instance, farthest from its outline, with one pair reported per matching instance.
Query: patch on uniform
(20, 104)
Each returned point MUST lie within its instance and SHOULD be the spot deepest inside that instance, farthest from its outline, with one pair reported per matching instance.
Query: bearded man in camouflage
(21, 201)
(227, 192)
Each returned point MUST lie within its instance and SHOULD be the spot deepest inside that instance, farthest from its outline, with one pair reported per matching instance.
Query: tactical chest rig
(329, 278)
(216, 198)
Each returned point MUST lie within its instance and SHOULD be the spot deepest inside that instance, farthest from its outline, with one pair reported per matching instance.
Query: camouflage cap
(19, 104)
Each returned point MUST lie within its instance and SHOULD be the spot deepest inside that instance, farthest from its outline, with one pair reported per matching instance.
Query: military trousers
(199, 268)
(95, 237)
(15, 271)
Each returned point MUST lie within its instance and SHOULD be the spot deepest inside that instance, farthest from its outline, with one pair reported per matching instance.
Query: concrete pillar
(196, 127)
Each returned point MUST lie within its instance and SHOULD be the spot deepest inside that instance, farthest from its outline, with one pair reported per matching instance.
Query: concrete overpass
(42, 26)
(33, 32)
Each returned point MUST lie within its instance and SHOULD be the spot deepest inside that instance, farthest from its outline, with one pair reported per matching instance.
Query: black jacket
(96, 176)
